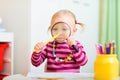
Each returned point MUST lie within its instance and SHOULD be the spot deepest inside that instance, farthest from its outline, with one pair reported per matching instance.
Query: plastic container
(2, 76)
(2, 49)
(106, 67)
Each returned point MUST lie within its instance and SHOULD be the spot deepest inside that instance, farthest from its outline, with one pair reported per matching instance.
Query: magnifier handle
(76, 49)
(55, 36)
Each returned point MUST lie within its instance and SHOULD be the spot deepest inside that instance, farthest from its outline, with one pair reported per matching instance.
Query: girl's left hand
(71, 41)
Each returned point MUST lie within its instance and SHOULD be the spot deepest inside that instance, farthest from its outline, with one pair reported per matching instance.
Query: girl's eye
(55, 29)
(64, 29)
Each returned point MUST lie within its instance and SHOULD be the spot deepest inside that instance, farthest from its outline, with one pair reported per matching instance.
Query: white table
(52, 76)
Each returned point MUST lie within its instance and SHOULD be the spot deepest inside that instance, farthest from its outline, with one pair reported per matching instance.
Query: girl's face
(62, 29)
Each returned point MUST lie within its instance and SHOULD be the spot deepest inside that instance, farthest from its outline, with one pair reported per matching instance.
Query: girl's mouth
(60, 39)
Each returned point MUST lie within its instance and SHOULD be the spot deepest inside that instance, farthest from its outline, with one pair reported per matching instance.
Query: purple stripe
(80, 57)
(52, 61)
(37, 59)
(63, 44)
(49, 45)
(83, 62)
(59, 45)
(59, 49)
(59, 52)
(35, 54)
(35, 62)
(43, 56)
(62, 56)
(77, 55)
(34, 57)
(50, 48)
(63, 65)
(71, 70)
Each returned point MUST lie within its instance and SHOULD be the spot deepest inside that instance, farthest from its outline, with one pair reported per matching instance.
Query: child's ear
(74, 31)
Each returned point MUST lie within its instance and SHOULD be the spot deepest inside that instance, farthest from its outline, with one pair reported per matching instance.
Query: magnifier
(63, 29)
(53, 38)
(60, 28)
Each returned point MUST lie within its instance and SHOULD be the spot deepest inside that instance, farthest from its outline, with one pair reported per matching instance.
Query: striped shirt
(62, 50)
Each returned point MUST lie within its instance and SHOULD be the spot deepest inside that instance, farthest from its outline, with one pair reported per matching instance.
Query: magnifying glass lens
(61, 28)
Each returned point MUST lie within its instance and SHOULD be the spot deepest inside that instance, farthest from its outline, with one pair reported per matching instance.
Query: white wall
(87, 11)
(16, 18)
(31, 27)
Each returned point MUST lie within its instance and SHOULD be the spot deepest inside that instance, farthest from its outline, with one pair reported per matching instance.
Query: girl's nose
(59, 32)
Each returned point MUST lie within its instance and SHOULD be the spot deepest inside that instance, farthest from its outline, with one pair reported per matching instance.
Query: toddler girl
(63, 54)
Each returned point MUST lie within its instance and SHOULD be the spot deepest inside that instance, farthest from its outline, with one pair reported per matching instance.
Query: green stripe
(107, 32)
(118, 28)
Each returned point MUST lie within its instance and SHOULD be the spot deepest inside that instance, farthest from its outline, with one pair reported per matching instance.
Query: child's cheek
(66, 36)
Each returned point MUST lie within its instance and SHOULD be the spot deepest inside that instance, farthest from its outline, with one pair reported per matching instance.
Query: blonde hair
(62, 13)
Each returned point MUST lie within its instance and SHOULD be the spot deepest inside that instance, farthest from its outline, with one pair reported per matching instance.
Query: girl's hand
(71, 41)
(39, 47)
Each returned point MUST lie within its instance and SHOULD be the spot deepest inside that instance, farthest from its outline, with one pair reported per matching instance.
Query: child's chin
(60, 40)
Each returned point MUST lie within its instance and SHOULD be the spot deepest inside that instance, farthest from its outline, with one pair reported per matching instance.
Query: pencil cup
(106, 67)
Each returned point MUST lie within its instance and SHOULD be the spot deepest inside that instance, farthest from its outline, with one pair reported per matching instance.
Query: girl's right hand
(39, 47)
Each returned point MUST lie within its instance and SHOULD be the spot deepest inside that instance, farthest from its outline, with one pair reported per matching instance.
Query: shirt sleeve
(38, 58)
(80, 56)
